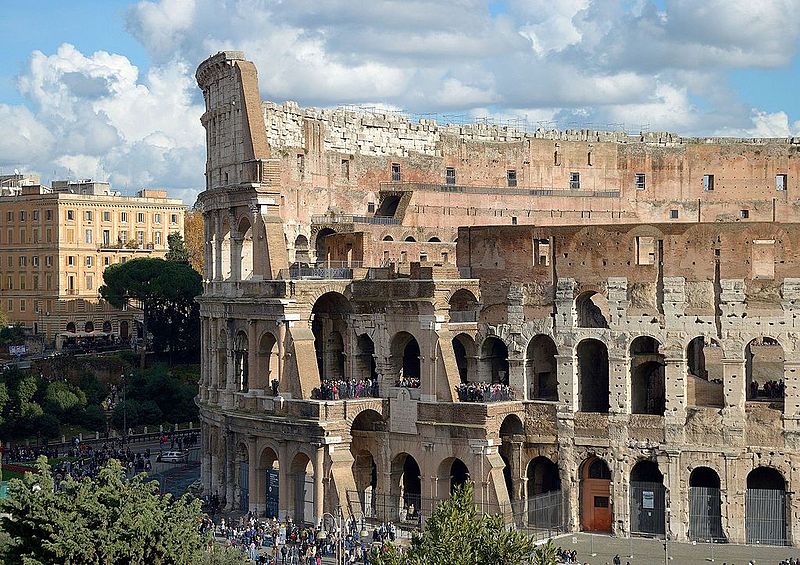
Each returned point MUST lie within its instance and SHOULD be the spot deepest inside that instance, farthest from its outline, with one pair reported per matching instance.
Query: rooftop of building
(23, 187)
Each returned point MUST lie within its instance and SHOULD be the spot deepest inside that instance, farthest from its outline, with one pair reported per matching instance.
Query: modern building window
(23, 305)
(574, 180)
(106, 261)
(23, 235)
(708, 183)
(89, 236)
(106, 238)
(123, 217)
(23, 261)
(35, 261)
(106, 216)
(48, 281)
(89, 261)
(89, 282)
(10, 236)
(35, 282)
(140, 217)
(640, 180)
(23, 215)
(36, 215)
(10, 304)
(511, 177)
(48, 261)
(23, 282)
(48, 235)
(70, 260)
(157, 237)
(70, 215)
(370, 207)
(10, 216)
(140, 237)
(780, 182)
(88, 215)
(9, 286)
(123, 237)
(673, 214)
(450, 175)
(395, 172)
(157, 218)
(48, 215)
(10, 261)
(173, 219)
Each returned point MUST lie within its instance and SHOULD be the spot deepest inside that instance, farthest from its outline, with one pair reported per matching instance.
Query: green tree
(457, 534)
(177, 249)
(157, 285)
(224, 556)
(104, 520)
(12, 335)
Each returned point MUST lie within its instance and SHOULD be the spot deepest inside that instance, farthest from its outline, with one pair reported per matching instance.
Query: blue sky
(131, 115)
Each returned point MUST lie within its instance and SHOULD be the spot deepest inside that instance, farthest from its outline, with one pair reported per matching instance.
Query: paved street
(648, 551)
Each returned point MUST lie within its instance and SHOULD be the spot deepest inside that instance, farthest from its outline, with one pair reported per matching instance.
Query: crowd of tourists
(407, 382)
(341, 389)
(86, 460)
(565, 556)
(770, 389)
(484, 392)
(274, 542)
(24, 454)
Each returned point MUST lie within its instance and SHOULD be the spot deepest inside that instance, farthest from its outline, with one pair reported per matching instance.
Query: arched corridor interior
(765, 507)
(365, 358)
(302, 478)
(705, 506)
(329, 325)
(545, 501)
(593, 376)
(406, 488)
(764, 368)
(240, 361)
(541, 368)
(647, 499)
(406, 360)
(591, 309)
(648, 393)
(269, 485)
(704, 373)
(267, 364)
(494, 361)
(301, 254)
(464, 350)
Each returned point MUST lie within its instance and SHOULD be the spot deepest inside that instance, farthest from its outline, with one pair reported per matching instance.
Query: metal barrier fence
(765, 521)
(647, 508)
(541, 516)
(705, 515)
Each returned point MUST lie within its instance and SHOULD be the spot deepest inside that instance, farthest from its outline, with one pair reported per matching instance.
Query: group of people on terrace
(407, 382)
(484, 392)
(770, 389)
(341, 389)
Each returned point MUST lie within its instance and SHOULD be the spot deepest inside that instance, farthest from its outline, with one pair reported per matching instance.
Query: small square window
(780, 182)
(574, 181)
(157, 218)
(106, 216)
(88, 215)
(173, 219)
(395, 172)
(640, 181)
(673, 214)
(370, 207)
(708, 183)
(450, 175)
(744, 214)
(513, 220)
(511, 177)
(123, 217)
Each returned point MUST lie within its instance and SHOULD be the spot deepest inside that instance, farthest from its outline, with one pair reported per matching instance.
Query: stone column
(567, 381)
(285, 492)
(255, 376)
(217, 246)
(236, 257)
(205, 462)
(675, 497)
(733, 415)
(733, 501)
(319, 491)
(208, 236)
(256, 494)
(230, 470)
(675, 391)
(278, 371)
(619, 396)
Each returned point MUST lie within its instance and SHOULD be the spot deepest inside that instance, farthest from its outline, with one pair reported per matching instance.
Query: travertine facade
(601, 361)
(56, 242)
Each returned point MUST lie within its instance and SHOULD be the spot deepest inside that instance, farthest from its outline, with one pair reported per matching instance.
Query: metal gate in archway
(273, 493)
(244, 487)
(647, 508)
(766, 516)
(705, 514)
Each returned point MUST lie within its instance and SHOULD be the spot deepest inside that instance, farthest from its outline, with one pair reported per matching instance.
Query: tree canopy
(166, 291)
(457, 534)
(194, 237)
(102, 520)
(178, 252)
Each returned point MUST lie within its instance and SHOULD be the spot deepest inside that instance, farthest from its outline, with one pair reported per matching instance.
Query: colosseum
(598, 330)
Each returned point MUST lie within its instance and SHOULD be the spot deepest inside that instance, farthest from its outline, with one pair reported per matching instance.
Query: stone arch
(765, 507)
(301, 250)
(705, 505)
(387, 237)
(302, 474)
(410, 239)
(494, 361)
(704, 372)
(591, 309)
(543, 476)
(319, 244)
(648, 387)
(596, 509)
(593, 382)
(405, 356)
(455, 471)
(764, 358)
(512, 426)
(124, 330)
(465, 353)
(406, 488)
(268, 473)
(366, 367)
(71, 327)
(244, 248)
(541, 368)
(268, 364)
(241, 362)
(434, 239)
(88, 327)
(463, 306)
(330, 326)
(107, 328)
(647, 499)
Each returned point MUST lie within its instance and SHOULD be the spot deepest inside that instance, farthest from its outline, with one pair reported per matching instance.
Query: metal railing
(463, 316)
(504, 190)
(322, 270)
(350, 219)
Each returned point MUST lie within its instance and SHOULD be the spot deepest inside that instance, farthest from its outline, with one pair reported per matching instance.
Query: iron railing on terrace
(459, 316)
(503, 190)
(349, 219)
(322, 270)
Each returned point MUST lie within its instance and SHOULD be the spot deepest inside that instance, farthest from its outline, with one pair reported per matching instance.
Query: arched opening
(593, 376)
(267, 377)
(459, 474)
(704, 373)
(410, 238)
(512, 437)
(139, 329)
(464, 350)
(406, 488)
(388, 205)
(765, 507)
(269, 473)
(301, 249)
(225, 250)
(592, 310)
(329, 325)
(434, 239)
(705, 506)
(597, 512)
(124, 332)
(406, 360)
(88, 327)
(319, 246)
(647, 498)
(494, 361)
(71, 327)
(541, 368)
(241, 366)
(107, 327)
(388, 238)
(544, 494)
(365, 471)
(244, 246)
(764, 359)
(365, 362)
(463, 306)
(243, 477)
(647, 377)
(507, 478)
(302, 476)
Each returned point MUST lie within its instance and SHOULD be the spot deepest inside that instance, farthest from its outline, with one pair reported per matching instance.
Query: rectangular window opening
(780, 182)
(645, 250)
(574, 180)
(744, 214)
(763, 259)
(708, 183)
(673, 214)
(450, 175)
(511, 177)
(640, 181)
(395, 172)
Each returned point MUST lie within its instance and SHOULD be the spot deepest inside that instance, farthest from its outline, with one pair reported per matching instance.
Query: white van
(174, 457)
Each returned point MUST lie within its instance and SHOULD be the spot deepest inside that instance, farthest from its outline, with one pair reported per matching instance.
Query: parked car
(174, 457)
